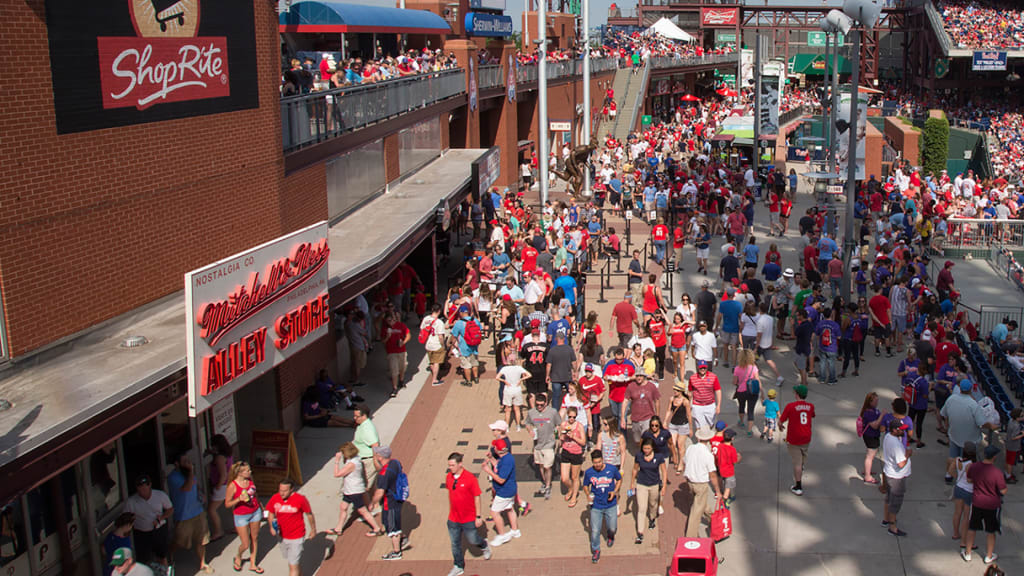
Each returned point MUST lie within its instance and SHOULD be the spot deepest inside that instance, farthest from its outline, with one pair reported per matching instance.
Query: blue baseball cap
(720, 425)
(702, 363)
(966, 385)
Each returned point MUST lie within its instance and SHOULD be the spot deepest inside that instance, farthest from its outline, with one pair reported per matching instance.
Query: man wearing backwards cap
(502, 473)
(987, 500)
(896, 467)
(699, 472)
(124, 563)
(965, 420)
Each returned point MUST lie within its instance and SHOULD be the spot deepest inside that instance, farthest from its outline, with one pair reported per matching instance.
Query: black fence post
(600, 278)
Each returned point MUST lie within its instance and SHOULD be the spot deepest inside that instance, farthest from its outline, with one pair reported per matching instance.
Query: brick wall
(392, 171)
(903, 138)
(98, 223)
(303, 198)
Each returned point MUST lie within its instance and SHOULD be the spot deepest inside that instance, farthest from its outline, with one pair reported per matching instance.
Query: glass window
(354, 177)
(13, 538)
(177, 433)
(418, 145)
(105, 480)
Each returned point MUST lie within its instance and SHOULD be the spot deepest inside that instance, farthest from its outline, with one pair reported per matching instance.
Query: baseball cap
(498, 425)
(143, 479)
(729, 434)
(948, 264)
(120, 556)
(702, 363)
(383, 451)
(800, 390)
(966, 385)
(788, 273)
(507, 297)
(535, 324)
(743, 287)
(564, 268)
(463, 309)
(720, 425)
(896, 424)
(588, 367)
(991, 451)
(732, 249)
(772, 393)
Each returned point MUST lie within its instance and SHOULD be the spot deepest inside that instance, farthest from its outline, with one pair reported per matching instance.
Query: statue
(576, 165)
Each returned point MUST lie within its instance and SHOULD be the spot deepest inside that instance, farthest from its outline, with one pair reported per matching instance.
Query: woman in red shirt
(658, 331)
(773, 254)
(244, 503)
(677, 344)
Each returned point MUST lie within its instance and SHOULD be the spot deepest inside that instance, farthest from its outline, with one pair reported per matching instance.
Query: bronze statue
(576, 168)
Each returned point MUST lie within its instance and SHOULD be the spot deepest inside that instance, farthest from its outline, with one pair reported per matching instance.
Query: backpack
(426, 333)
(860, 426)
(401, 492)
(754, 387)
(910, 392)
(472, 335)
(826, 337)
(858, 332)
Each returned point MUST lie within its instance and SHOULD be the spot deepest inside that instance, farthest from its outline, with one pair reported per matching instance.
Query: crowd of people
(307, 76)
(984, 24)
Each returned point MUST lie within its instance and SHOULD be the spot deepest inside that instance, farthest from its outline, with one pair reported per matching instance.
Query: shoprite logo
(166, 62)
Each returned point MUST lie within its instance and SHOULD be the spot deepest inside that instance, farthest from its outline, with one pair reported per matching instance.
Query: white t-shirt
(147, 511)
(894, 453)
(645, 344)
(699, 463)
(748, 325)
(513, 374)
(434, 342)
(533, 293)
(355, 482)
(766, 327)
(704, 346)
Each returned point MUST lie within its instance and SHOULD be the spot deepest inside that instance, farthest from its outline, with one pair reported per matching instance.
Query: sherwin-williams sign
(481, 24)
(137, 61)
(251, 311)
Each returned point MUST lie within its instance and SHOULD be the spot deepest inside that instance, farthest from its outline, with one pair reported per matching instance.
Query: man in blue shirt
(750, 253)
(828, 344)
(468, 359)
(568, 285)
(729, 319)
(601, 483)
(826, 246)
(771, 271)
(503, 480)
(190, 530)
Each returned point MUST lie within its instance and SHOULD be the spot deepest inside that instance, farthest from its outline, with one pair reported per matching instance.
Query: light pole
(542, 99)
(585, 15)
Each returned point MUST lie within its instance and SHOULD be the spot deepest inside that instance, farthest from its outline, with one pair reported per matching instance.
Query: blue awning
(337, 17)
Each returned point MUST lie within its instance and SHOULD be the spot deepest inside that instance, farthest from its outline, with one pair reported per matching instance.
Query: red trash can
(694, 557)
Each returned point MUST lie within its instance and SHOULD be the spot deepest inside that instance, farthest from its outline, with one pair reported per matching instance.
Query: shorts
(800, 360)
(219, 494)
(797, 453)
(702, 253)
(500, 503)
(730, 338)
(194, 531)
(358, 357)
(246, 519)
(896, 488)
(730, 483)
(882, 332)
(435, 356)
(961, 494)
(536, 385)
(750, 342)
(513, 396)
(703, 415)
(370, 471)
(900, 320)
(468, 362)
(679, 349)
(773, 217)
(770, 423)
(638, 428)
(985, 519)
(570, 458)
(151, 545)
(679, 429)
(872, 442)
(291, 550)
(396, 364)
(544, 457)
(356, 500)
(955, 451)
(392, 518)
(765, 353)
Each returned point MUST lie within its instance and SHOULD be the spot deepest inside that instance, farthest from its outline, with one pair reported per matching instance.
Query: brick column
(465, 50)
(507, 137)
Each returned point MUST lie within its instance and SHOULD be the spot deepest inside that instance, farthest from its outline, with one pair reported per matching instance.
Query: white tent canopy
(668, 29)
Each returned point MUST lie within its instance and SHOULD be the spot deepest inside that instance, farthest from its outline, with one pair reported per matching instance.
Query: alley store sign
(248, 313)
(137, 61)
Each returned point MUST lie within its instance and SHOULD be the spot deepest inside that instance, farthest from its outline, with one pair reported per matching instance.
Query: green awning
(816, 65)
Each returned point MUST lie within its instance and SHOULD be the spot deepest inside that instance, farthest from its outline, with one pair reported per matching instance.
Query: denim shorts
(680, 349)
(961, 494)
(246, 519)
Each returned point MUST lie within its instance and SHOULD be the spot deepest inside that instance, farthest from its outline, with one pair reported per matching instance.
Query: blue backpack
(401, 491)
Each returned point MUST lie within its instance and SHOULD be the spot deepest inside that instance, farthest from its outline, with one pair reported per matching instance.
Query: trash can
(694, 557)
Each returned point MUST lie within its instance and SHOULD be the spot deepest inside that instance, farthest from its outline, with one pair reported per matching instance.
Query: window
(104, 481)
(13, 538)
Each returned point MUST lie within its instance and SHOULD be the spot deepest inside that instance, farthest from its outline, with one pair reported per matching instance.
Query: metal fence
(973, 233)
(490, 76)
(682, 61)
(319, 116)
(791, 115)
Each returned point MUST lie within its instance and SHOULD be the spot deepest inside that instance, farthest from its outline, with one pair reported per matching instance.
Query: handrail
(637, 105)
(618, 117)
(489, 76)
(678, 61)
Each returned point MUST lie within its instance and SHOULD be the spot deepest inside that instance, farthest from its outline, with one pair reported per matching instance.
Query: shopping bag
(721, 524)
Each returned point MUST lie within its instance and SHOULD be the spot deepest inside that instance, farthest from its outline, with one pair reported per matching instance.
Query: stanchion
(629, 241)
(600, 275)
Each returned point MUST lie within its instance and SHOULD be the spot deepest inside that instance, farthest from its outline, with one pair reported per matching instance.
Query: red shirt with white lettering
(394, 338)
(797, 417)
(462, 493)
(530, 258)
(660, 232)
(288, 514)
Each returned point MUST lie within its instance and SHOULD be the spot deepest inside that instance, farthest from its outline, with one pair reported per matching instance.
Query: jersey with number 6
(797, 417)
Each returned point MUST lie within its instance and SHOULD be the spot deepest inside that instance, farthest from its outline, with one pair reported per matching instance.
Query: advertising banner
(843, 135)
(768, 105)
(511, 83)
(719, 17)
(988, 61)
(493, 25)
(249, 312)
(121, 63)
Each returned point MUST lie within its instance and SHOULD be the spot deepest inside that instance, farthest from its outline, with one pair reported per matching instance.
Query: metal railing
(660, 62)
(1006, 264)
(976, 233)
(939, 26)
(791, 115)
(319, 116)
(490, 76)
(638, 104)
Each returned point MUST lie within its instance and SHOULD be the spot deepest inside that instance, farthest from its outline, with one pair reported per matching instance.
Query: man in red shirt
(795, 421)
(288, 510)
(593, 392)
(773, 214)
(706, 392)
(529, 257)
(810, 253)
(463, 511)
(879, 307)
(678, 242)
(624, 317)
(945, 348)
(396, 336)
(618, 373)
(659, 234)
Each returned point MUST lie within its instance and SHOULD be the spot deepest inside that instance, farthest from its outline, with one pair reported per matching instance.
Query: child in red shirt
(726, 458)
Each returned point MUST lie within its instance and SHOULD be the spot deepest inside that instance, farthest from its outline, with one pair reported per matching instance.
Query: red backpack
(426, 333)
(472, 335)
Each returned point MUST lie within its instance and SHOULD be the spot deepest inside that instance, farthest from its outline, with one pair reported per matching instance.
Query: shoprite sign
(136, 61)
(248, 313)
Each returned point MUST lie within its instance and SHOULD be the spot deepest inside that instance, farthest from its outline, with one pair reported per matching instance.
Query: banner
(843, 135)
(511, 84)
(136, 61)
(719, 17)
(988, 61)
(768, 105)
(472, 84)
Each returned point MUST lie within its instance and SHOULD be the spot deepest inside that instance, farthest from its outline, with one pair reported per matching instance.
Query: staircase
(629, 91)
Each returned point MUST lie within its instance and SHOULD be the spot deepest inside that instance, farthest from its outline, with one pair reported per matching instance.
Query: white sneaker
(516, 534)
(487, 553)
(456, 571)
(779, 381)
(501, 539)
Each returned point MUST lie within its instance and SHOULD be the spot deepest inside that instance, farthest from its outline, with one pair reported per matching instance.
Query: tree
(936, 144)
